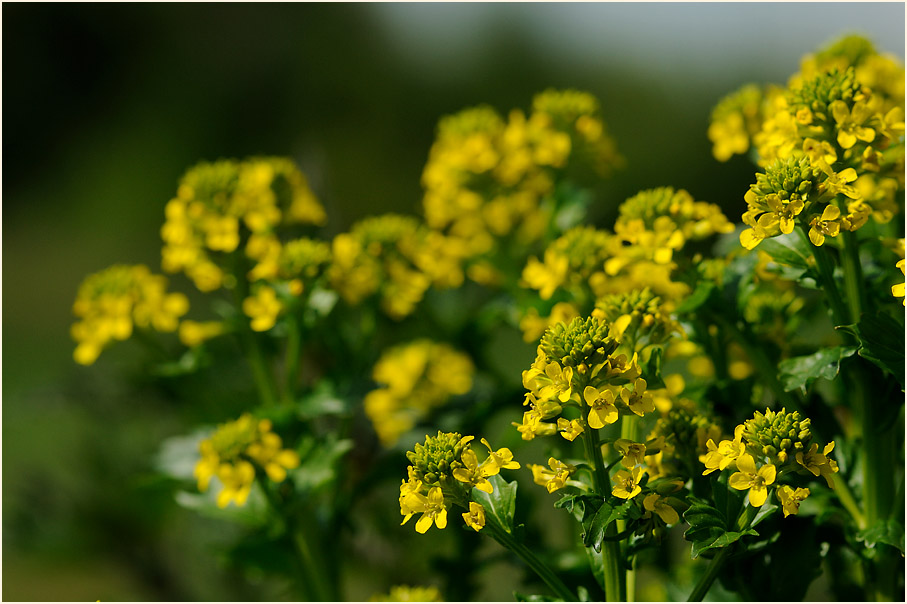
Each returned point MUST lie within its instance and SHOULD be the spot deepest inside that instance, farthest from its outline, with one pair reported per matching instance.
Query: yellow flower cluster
(737, 118)
(233, 453)
(224, 205)
(682, 434)
(444, 471)
(408, 593)
(764, 449)
(110, 303)
(486, 177)
(576, 364)
(831, 146)
(415, 378)
(586, 264)
(398, 258)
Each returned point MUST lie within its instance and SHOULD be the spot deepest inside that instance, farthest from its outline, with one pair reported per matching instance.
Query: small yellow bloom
(262, 308)
(569, 429)
(432, 508)
(627, 483)
(561, 385)
(819, 464)
(828, 224)
(638, 400)
(603, 411)
(552, 479)
(790, 499)
(719, 457)
(654, 502)
(849, 123)
(634, 453)
(897, 290)
(475, 517)
(533, 426)
(749, 477)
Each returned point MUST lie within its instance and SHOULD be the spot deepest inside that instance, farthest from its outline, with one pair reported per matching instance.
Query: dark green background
(105, 106)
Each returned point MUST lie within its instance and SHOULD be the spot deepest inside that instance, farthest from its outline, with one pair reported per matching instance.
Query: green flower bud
(777, 435)
(584, 341)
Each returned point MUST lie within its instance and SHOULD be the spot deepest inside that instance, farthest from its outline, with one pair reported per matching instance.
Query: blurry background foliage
(106, 106)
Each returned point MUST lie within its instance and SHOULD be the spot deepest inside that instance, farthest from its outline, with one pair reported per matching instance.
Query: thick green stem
(705, 582)
(540, 568)
(853, 277)
(611, 556)
(847, 500)
(839, 311)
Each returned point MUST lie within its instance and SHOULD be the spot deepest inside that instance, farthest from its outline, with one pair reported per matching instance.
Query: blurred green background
(104, 108)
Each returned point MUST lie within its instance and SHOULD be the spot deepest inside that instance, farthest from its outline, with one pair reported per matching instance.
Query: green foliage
(801, 372)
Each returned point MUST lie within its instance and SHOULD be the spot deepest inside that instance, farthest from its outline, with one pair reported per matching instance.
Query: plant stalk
(705, 582)
(541, 569)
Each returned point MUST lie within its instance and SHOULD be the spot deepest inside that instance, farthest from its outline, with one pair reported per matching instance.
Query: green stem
(631, 581)
(291, 370)
(304, 551)
(853, 276)
(629, 429)
(525, 554)
(847, 500)
(611, 556)
(705, 582)
(263, 378)
(826, 267)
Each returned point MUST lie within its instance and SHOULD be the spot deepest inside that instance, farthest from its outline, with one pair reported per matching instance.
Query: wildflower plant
(681, 377)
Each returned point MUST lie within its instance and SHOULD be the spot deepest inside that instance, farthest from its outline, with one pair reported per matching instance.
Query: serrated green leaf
(723, 540)
(889, 532)
(500, 503)
(595, 531)
(800, 372)
(881, 339)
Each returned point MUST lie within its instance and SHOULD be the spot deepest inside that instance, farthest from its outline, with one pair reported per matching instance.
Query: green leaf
(595, 532)
(881, 339)
(321, 401)
(764, 512)
(787, 250)
(318, 466)
(189, 362)
(699, 297)
(800, 372)
(178, 455)
(651, 369)
(254, 513)
(500, 503)
(708, 529)
(890, 532)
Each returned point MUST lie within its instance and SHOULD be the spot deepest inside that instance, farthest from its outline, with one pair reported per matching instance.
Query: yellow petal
(758, 495)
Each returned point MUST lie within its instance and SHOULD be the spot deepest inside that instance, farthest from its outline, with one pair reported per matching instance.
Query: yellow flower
(786, 211)
(654, 502)
(719, 457)
(603, 411)
(569, 429)
(790, 499)
(474, 474)
(828, 224)
(262, 308)
(627, 483)
(475, 517)
(634, 453)
(837, 183)
(193, 333)
(850, 123)
(532, 426)
(237, 483)
(638, 400)
(748, 477)
(552, 479)
(432, 508)
(406, 593)
(502, 459)
(561, 385)
(897, 290)
(819, 464)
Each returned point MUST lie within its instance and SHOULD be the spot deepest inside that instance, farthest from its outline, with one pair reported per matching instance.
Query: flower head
(626, 483)
(790, 499)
